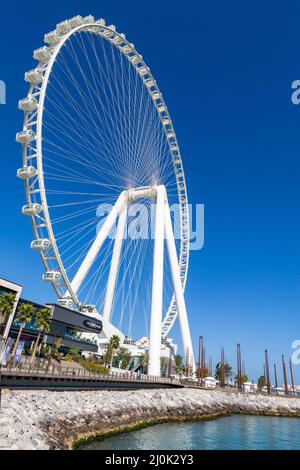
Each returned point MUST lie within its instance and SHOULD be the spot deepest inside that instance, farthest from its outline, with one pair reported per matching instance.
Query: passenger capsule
(101, 21)
(40, 244)
(52, 276)
(24, 137)
(26, 172)
(34, 77)
(63, 27)
(42, 54)
(52, 38)
(75, 21)
(88, 19)
(32, 209)
(28, 104)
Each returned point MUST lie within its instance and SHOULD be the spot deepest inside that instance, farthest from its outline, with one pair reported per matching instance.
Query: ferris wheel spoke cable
(91, 101)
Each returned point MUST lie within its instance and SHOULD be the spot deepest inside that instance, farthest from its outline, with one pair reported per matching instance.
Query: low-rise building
(8, 287)
(210, 382)
(67, 325)
(248, 387)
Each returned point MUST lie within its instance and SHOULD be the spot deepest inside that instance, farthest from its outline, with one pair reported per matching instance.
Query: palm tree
(227, 372)
(144, 361)
(43, 322)
(124, 358)
(179, 367)
(24, 316)
(114, 344)
(7, 302)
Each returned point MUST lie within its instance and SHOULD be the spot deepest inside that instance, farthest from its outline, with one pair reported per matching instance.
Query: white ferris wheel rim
(41, 224)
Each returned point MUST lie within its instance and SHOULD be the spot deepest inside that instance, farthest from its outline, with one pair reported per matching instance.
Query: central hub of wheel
(142, 193)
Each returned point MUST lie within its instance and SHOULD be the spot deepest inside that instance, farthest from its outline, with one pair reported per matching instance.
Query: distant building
(248, 387)
(210, 382)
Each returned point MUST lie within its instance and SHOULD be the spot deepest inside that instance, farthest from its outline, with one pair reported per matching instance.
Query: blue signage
(19, 351)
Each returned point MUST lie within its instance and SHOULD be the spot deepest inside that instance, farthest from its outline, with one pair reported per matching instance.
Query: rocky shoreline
(43, 419)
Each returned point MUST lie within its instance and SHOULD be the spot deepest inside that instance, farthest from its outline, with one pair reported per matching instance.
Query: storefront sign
(93, 325)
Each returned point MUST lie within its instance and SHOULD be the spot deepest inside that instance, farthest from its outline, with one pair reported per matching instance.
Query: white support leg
(178, 290)
(96, 246)
(157, 286)
(114, 267)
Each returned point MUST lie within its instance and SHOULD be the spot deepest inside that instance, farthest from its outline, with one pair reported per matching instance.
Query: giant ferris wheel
(100, 156)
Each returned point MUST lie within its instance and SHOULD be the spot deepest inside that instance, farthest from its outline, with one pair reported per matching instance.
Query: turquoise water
(232, 432)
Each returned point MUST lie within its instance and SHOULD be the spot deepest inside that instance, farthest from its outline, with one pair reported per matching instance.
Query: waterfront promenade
(53, 375)
(44, 419)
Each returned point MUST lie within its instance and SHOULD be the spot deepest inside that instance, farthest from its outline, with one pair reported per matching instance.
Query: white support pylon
(163, 229)
(114, 267)
(177, 286)
(157, 286)
(98, 242)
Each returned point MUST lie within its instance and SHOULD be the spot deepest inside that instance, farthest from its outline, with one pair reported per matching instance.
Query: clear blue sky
(225, 70)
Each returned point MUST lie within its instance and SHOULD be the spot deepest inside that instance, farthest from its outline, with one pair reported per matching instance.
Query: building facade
(8, 287)
(66, 325)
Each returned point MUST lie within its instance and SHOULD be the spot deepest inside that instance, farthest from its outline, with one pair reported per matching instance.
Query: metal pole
(187, 362)
(199, 359)
(292, 377)
(239, 367)
(275, 375)
(170, 362)
(267, 372)
(157, 285)
(286, 388)
(222, 367)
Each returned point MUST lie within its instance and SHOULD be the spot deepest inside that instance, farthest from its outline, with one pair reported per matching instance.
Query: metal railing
(41, 367)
